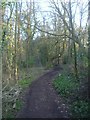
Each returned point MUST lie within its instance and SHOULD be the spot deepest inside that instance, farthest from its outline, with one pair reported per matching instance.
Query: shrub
(65, 85)
(79, 109)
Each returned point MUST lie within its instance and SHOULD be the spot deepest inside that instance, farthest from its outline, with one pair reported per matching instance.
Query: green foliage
(25, 83)
(23, 63)
(18, 104)
(49, 65)
(9, 115)
(65, 85)
(11, 111)
(31, 62)
(80, 109)
(65, 59)
(44, 55)
(85, 59)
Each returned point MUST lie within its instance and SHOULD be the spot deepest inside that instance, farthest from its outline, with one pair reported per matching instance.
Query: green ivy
(65, 85)
(80, 109)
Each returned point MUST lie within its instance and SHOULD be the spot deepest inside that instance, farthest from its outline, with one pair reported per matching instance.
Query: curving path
(42, 101)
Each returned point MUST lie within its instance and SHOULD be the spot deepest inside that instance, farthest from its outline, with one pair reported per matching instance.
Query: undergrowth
(65, 85)
(80, 109)
(68, 87)
(12, 95)
(25, 82)
(11, 101)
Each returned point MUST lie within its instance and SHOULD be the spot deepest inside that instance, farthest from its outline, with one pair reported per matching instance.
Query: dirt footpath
(42, 101)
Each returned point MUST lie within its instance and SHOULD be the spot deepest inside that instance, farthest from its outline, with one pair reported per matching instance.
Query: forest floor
(42, 101)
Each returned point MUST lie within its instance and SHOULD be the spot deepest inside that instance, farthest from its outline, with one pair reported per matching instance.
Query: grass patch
(18, 104)
(25, 83)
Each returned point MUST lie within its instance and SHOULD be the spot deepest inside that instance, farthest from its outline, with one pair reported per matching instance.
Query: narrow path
(42, 101)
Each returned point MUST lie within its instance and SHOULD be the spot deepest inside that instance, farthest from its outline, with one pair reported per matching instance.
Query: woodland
(35, 40)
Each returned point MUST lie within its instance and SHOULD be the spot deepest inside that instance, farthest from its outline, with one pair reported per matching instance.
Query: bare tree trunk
(15, 55)
(19, 41)
(73, 38)
(28, 41)
(89, 45)
(1, 51)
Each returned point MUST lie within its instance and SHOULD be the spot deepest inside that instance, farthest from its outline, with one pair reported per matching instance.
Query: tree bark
(15, 54)
(73, 40)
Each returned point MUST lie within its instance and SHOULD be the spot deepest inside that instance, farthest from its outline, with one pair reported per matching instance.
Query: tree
(73, 38)
(15, 54)
(89, 40)
(0, 62)
(70, 29)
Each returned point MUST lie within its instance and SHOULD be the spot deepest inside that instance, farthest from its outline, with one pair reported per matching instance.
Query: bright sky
(44, 6)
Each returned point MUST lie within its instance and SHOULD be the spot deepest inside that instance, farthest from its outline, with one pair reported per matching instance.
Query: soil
(41, 99)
